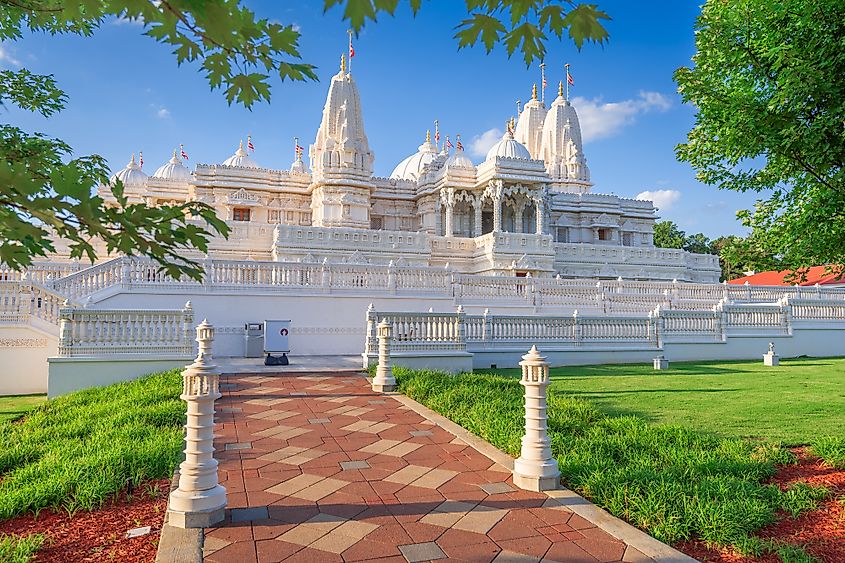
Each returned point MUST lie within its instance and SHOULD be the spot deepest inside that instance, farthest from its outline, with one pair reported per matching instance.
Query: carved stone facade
(534, 183)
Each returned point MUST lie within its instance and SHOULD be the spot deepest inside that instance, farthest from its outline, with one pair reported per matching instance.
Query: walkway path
(319, 468)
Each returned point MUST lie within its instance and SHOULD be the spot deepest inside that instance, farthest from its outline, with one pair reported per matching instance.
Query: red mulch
(99, 535)
(821, 532)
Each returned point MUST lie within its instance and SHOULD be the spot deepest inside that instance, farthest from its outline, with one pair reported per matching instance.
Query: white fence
(92, 332)
(606, 296)
(486, 333)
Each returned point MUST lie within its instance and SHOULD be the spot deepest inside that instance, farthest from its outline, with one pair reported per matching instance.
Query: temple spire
(343, 63)
(534, 92)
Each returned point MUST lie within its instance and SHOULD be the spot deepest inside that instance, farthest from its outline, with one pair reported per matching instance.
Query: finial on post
(343, 62)
(534, 92)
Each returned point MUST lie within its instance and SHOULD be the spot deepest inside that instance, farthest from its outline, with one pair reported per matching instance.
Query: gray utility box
(254, 340)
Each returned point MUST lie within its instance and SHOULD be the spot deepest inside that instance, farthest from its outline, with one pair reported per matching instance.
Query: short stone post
(371, 341)
(535, 469)
(199, 501)
(770, 358)
(384, 380)
(661, 363)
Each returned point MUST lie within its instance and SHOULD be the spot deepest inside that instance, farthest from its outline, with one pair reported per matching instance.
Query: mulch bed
(820, 532)
(99, 535)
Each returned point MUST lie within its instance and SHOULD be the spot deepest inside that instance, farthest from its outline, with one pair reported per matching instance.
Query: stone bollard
(535, 469)
(771, 359)
(199, 501)
(661, 363)
(384, 380)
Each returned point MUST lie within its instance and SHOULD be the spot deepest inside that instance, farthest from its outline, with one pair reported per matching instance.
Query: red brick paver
(320, 468)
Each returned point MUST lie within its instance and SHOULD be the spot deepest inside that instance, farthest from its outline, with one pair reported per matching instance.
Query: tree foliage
(46, 192)
(767, 86)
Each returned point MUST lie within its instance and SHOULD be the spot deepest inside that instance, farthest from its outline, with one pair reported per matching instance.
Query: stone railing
(605, 296)
(488, 332)
(40, 272)
(122, 332)
(22, 301)
(418, 332)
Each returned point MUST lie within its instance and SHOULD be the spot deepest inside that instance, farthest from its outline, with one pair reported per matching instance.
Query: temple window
(275, 216)
(240, 214)
(604, 234)
(376, 223)
(562, 234)
(627, 239)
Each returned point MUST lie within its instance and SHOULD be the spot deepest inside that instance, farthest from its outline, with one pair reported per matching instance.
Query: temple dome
(458, 159)
(298, 167)
(131, 174)
(241, 158)
(508, 147)
(173, 169)
(411, 168)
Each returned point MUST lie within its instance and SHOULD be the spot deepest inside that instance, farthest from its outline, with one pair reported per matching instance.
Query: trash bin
(254, 340)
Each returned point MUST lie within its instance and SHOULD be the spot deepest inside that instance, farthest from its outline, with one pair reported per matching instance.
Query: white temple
(528, 208)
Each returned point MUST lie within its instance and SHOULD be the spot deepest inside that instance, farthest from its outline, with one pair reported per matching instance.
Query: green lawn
(77, 451)
(670, 480)
(793, 403)
(13, 407)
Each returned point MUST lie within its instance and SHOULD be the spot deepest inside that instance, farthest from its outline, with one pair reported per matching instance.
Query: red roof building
(816, 275)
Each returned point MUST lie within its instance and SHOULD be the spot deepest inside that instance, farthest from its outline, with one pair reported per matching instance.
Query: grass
(831, 449)
(671, 481)
(793, 403)
(19, 549)
(14, 407)
(78, 451)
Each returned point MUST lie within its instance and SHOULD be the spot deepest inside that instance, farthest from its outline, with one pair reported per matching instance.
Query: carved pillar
(535, 469)
(497, 214)
(438, 227)
(540, 208)
(447, 199)
(384, 380)
(200, 501)
(518, 216)
(477, 205)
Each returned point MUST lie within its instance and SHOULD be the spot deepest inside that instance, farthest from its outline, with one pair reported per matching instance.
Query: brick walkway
(319, 468)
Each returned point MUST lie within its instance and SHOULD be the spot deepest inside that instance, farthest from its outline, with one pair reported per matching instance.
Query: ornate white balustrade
(92, 332)
(22, 301)
(611, 297)
(418, 332)
(818, 309)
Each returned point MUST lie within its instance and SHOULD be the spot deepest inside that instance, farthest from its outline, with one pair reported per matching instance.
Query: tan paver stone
(408, 474)
(434, 478)
(443, 519)
(268, 402)
(302, 535)
(512, 557)
(282, 453)
(401, 450)
(282, 432)
(380, 446)
(296, 484)
(359, 411)
(480, 520)
(212, 544)
(320, 489)
(368, 426)
(341, 410)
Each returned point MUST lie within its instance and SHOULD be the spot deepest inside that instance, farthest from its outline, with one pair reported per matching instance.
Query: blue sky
(126, 94)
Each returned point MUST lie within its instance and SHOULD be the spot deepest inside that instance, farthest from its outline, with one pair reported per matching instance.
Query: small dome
(298, 167)
(508, 147)
(173, 170)
(240, 159)
(458, 160)
(131, 174)
(411, 167)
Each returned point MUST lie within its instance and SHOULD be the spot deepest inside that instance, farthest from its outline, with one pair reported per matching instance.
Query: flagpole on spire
(437, 134)
(568, 80)
(543, 81)
(351, 50)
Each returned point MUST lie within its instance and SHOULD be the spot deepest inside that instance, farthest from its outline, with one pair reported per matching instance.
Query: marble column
(450, 212)
(477, 204)
(539, 206)
(497, 214)
(518, 216)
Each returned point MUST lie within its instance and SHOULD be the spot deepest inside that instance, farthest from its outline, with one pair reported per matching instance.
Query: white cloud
(7, 58)
(663, 199)
(601, 120)
(163, 113)
(123, 20)
(480, 144)
(296, 27)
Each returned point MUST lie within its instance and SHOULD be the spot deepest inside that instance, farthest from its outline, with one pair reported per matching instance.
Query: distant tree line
(737, 255)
